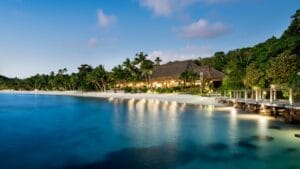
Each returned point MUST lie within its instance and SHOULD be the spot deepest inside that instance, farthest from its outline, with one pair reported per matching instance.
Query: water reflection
(172, 109)
(145, 116)
(208, 131)
(110, 99)
(131, 105)
(233, 125)
(140, 106)
(91, 134)
(182, 107)
(262, 125)
(165, 106)
(153, 106)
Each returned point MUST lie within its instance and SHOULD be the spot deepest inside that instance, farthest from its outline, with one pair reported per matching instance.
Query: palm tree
(84, 70)
(189, 76)
(98, 77)
(118, 74)
(143, 65)
(131, 69)
(147, 69)
(157, 61)
(140, 58)
(62, 71)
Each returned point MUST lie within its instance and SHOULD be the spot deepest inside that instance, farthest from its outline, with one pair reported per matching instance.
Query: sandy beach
(180, 98)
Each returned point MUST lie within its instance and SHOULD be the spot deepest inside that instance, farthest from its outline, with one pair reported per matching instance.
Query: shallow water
(58, 132)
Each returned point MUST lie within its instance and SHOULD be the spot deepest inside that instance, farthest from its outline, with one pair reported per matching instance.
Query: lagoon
(63, 132)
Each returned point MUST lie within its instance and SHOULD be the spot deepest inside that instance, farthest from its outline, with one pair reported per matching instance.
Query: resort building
(169, 75)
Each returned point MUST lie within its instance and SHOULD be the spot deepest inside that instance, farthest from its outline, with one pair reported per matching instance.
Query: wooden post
(291, 96)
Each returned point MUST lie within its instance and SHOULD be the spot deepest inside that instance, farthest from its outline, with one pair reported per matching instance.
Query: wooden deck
(277, 109)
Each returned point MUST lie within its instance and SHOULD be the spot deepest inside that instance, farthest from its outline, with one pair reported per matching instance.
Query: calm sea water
(56, 132)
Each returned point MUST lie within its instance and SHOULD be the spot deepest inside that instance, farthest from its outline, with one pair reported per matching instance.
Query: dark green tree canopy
(294, 28)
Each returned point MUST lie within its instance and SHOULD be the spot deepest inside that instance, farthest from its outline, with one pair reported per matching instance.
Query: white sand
(180, 98)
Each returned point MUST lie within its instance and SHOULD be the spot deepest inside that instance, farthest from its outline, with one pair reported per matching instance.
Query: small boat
(297, 135)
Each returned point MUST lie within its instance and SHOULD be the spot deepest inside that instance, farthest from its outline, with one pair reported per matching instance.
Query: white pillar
(291, 96)
(230, 94)
(260, 94)
(256, 95)
(246, 95)
(271, 95)
(275, 95)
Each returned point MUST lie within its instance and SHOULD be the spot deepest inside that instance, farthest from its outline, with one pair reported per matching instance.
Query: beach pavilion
(168, 75)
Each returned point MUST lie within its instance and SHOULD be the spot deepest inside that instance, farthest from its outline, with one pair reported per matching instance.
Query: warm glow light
(233, 125)
(210, 109)
(173, 107)
(233, 112)
(131, 105)
(165, 106)
(262, 125)
(140, 106)
(153, 106)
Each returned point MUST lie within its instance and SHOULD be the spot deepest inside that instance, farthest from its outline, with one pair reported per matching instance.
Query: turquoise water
(56, 132)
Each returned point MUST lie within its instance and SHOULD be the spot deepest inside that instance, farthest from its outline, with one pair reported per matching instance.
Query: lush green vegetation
(275, 61)
(87, 78)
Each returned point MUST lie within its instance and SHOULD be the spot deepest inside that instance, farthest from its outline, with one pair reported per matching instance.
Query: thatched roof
(173, 70)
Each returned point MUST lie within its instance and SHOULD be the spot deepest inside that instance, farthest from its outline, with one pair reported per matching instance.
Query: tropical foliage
(275, 61)
(87, 78)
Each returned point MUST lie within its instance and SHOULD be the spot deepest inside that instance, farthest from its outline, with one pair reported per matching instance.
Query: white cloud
(105, 20)
(92, 42)
(203, 29)
(216, 1)
(168, 7)
(165, 7)
(188, 52)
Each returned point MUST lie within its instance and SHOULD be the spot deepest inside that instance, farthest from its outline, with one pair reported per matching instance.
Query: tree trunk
(98, 86)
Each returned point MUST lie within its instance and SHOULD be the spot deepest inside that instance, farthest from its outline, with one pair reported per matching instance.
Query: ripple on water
(274, 127)
(247, 145)
(261, 138)
(165, 156)
(290, 150)
(217, 146)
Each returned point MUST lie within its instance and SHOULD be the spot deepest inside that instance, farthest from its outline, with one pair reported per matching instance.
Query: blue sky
(38, 36)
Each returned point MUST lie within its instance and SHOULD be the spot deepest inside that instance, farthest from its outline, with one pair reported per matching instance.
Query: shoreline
(170, 97)
(180, 98)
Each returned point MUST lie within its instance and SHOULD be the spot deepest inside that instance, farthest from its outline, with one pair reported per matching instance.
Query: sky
(40, 36)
